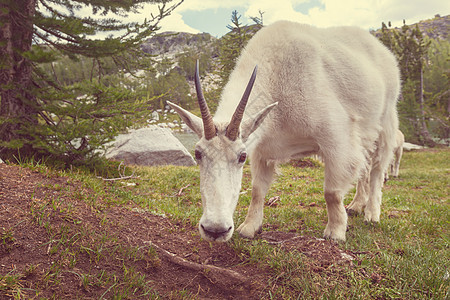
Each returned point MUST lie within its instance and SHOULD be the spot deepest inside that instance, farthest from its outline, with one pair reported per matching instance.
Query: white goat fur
(336, 91)
(398, 152)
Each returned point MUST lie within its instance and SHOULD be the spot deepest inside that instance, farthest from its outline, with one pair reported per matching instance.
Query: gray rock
(150, 146)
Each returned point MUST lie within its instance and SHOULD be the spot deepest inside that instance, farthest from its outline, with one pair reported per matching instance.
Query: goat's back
(320, 77)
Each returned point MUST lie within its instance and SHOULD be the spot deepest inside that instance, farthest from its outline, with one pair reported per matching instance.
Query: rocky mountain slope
(436, 28)
(170, 44)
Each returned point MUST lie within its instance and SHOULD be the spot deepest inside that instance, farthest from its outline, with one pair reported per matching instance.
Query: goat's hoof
(370, 217)
(248, 231)
(351, 212)
(335, 235)
(371, 222)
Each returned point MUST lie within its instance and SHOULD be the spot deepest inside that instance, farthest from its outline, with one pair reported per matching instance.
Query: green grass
(405, 256)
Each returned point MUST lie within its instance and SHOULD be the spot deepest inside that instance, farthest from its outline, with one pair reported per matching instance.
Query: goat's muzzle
(215, 233)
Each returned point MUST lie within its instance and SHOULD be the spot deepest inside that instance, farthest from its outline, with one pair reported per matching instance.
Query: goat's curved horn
(208, 123)
(233, 128)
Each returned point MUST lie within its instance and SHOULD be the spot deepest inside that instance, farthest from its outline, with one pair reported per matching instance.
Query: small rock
(346, 256)
(155, 116)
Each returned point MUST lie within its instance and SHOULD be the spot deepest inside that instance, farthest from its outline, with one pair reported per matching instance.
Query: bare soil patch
(54, 243)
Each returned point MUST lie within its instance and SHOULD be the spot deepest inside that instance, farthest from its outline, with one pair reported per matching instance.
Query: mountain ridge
(169, 44)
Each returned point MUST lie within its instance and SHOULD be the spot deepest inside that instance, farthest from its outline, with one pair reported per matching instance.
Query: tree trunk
(17, 102)
(423, 125)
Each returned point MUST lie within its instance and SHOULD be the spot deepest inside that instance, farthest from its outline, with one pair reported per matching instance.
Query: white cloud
(175, 22)
(363, 13)
(274, 11)
(346, 12)
(199, 5)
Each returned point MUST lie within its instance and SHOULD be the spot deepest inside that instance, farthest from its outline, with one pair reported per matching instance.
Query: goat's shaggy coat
(330, 92)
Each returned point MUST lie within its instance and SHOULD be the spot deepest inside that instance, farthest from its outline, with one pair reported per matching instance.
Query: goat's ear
(192, 121)
(252, 124)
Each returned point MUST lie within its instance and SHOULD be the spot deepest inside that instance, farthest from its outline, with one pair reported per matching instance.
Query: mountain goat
(331, 92)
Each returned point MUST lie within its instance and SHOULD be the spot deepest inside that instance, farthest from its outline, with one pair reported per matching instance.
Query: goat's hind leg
(262, 173)
(380, 162)
(396, 164)
(373, 208)
(362, 194)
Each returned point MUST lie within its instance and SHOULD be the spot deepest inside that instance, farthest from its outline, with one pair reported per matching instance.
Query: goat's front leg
(262, 172)
(337, 217)
(339, 176)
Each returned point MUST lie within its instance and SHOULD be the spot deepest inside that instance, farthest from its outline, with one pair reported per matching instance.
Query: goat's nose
(215, 232)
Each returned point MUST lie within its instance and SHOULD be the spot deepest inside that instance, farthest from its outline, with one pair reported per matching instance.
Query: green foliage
(417, 61)
(76, 92)
(408, 111)
(66, 71)
(234, 42)
(437, 86)
(81, 119)
(410, 47)
(187, 61)
(72, 31)
(172, 86)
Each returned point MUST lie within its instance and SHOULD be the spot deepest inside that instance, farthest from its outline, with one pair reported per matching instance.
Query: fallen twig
(210, 269)
(181, 190)
(273, 201)
(283, 241)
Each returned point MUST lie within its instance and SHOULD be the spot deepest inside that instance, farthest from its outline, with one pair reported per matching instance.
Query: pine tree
(437, 86)
(234, 42)
(37, 112)
(410, 47)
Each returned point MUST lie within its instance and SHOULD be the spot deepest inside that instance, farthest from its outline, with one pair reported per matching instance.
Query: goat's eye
(242, 157)
(198, 155)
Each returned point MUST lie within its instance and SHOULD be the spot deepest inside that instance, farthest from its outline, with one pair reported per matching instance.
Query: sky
(213, 16)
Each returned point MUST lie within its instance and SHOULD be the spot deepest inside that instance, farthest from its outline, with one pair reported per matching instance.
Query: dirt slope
(54, 243)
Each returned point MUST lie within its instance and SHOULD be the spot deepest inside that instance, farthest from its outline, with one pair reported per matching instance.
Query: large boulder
(150, 146)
